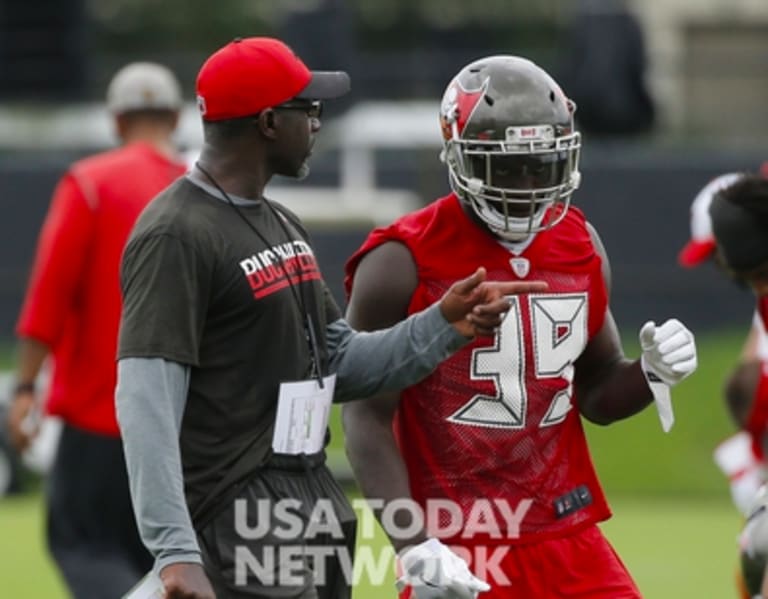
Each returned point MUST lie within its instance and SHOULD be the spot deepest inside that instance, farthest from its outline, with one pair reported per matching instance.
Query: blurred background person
(71, 313)
(741, 457)
(604, 69)
(739, 214)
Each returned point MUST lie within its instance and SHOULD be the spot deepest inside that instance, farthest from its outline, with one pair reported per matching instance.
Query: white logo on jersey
(520, 266)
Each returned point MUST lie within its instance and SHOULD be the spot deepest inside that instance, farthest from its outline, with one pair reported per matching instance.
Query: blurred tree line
(54, 50)
(67, 49)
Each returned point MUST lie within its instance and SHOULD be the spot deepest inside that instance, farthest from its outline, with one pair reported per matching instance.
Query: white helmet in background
(701, 245)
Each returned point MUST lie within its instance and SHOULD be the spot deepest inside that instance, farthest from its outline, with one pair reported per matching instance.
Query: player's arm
(743, 385)
(746, 393)
(741, 391)
(609, 386)
(602, 370)
(754, 341)
(745, 399)
(384, 283)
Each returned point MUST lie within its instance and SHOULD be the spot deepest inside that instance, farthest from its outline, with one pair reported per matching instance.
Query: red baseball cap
(702, 243)
(251, 74)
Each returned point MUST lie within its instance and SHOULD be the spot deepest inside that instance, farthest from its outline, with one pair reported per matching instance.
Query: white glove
(669, 355)
(669, 351)
(435, 572)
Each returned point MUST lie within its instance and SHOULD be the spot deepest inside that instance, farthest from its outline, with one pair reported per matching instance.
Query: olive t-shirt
(202, 287)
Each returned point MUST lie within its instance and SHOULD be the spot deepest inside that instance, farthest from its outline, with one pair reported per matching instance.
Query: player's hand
(435, 572)
(186, 581)
(475, 306)
(23, 419)
(669, 351)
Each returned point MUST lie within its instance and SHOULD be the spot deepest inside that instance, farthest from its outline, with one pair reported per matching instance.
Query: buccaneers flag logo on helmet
(458, 105)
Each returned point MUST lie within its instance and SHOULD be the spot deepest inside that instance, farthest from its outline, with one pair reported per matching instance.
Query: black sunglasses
(313, 108)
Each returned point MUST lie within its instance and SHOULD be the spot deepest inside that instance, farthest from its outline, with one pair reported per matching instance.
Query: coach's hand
(475, 306)
(186, 581)
(433, 571)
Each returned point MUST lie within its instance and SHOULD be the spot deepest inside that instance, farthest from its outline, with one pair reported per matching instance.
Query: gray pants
(290, 533)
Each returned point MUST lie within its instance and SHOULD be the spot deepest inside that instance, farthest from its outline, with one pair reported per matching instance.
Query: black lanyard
(298, 294)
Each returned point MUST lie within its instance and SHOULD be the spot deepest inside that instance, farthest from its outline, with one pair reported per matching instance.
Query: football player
(741, 456)
(490, 447)
(739, 214)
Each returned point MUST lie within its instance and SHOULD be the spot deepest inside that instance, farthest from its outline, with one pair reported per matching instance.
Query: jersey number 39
(558, 335)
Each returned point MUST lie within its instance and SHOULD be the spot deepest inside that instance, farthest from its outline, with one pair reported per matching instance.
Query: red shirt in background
(73, 301)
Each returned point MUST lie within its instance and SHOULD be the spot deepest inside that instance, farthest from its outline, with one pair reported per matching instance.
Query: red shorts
(580, 566)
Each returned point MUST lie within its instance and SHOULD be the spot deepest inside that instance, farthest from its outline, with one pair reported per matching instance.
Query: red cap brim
(695, 252)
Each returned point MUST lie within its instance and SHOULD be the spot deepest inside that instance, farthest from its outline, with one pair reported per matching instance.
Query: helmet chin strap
(511, 236)
(518, 228)
(513, 243)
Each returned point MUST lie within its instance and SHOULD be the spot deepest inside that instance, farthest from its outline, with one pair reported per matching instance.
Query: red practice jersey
(73, 300)
(757, 419)
(497, 424)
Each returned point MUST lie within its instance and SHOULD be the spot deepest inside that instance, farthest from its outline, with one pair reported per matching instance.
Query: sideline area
(674, 547)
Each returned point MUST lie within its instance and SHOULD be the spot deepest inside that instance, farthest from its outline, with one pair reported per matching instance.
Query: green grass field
(674, 547)
(673, 522)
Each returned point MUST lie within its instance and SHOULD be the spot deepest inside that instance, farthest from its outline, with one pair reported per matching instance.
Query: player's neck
(517, 247)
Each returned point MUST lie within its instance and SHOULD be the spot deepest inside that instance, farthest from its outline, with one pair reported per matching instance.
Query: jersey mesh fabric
(73, 299)
(493, 424)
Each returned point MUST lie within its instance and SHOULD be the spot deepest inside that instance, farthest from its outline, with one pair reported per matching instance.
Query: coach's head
(257, 98)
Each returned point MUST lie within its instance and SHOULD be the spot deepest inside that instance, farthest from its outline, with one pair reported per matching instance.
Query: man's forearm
(379, 469)
(151, 395)
(31, 355)
(367, 363)
(622, 392)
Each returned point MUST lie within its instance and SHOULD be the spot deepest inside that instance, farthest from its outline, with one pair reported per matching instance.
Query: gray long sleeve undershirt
(151, 396)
